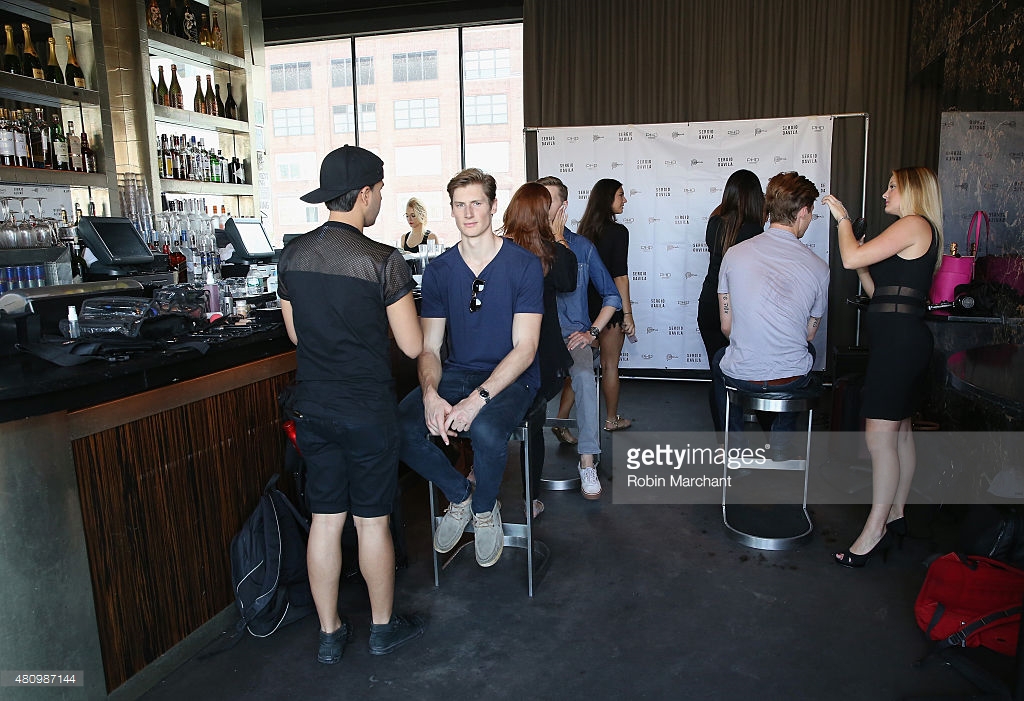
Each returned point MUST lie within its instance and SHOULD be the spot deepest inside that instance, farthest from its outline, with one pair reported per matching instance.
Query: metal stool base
(768, 543)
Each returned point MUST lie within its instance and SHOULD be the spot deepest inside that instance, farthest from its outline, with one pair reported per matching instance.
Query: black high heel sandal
(848, 559)
(898, 527)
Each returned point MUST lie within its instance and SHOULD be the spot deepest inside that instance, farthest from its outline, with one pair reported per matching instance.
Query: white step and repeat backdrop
(673, 176)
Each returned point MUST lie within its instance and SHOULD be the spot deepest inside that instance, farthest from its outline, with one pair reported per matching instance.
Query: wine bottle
(30, 63)
(230, 106)
(216, 35)
(72, 71)
(59, 151)
(156, 100)
(204, 31)
(211, 99)
(154, 18)
(172, 22)
(199, 103)
(74, 148)
(6, 140)
(12, 62)
(163, 96)
(189, 23)
(52, 72)
(219, 102)
(21, 155)
(177, 98)
(40, 140)
(89, 164)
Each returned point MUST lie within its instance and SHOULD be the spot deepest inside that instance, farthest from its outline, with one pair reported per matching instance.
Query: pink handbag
(958, 269)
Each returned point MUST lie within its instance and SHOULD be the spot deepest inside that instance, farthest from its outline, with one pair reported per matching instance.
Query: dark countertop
(31, 386)
(991, 373)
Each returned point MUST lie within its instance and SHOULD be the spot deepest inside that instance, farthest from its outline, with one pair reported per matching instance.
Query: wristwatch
(484, 394)
(594, 331)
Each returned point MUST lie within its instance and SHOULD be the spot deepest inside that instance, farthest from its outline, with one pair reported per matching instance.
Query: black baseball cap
(345, 169)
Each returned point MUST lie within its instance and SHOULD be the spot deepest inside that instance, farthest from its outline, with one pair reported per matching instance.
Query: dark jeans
(489, 436)
(783, 424)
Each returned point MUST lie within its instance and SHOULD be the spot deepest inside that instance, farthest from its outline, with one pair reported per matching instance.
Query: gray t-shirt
(775, 284)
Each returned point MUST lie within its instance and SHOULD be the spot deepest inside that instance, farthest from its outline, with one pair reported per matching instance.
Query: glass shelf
(44, 93)
(176, 47)
(196, 120)
(47, 176)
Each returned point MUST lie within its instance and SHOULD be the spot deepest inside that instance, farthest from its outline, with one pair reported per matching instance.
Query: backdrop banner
(673, 176)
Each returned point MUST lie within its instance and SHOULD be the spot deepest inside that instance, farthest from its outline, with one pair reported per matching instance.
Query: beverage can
(39, 273)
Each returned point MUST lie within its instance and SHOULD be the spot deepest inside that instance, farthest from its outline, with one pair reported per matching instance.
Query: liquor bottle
(89, 164)
(189, 23)
(59, 152)
(177, 98)
(204, 31)
(52, 72)
(30, 63)
(12, 62)
(211, 99)
(199, 103)
(230, 106)
(216, 35)
(219, 102)
(237, 171)
(39, 140)
(225, 174)
(168, 156)
(154, 18)
(172, 22)
(163, 96)
(215, 169)
(72, 71)
(74, 148)
(21, 154)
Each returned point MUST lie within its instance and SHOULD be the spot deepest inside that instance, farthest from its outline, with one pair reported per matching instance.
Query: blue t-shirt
(513, 284)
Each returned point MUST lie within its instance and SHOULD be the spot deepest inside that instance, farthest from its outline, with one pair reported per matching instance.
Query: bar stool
(573, 482)
(795, 400)
(516, 535)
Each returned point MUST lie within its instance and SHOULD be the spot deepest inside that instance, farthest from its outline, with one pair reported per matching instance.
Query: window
(341, 72)
(418, 65)
(312, 215)
(417, 114)
(291, 76)
(486, 109)
(343, 116)
(294, 167)
(294, 121)
(490, 63)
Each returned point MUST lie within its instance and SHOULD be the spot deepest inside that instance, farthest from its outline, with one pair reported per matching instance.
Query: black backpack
(268, 565)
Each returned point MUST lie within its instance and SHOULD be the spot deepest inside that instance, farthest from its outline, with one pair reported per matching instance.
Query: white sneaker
(590, 484)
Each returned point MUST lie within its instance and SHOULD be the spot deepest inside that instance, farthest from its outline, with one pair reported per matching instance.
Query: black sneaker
(332, 645)
(390, 636)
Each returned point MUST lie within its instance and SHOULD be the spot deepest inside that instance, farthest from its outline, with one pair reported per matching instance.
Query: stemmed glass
(48, 233)
(8, 229)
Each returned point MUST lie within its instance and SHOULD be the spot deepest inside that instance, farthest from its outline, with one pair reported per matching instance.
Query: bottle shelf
(46, 176)
(197, 120)
(193, 187)
(47, 10)
(176, 47)
(43, 93)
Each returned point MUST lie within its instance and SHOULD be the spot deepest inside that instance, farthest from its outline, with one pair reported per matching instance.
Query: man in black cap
(339, 293)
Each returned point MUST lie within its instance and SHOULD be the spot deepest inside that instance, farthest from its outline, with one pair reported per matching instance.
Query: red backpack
(971, 601)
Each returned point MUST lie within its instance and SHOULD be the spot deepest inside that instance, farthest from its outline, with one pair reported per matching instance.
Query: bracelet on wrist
(627, 313)
(844, 218)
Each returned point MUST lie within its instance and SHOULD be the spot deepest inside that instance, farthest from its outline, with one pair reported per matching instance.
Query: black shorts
(351, 466)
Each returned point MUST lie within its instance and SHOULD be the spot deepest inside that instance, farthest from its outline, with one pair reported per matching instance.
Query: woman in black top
(526, 223)
(598, 224)
(739, 217)
(416, 216)
(895, 270)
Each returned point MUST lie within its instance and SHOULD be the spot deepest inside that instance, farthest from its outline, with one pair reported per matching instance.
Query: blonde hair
(919, 194)
(418, 209)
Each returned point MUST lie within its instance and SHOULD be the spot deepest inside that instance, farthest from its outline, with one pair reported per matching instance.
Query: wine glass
(8, 234)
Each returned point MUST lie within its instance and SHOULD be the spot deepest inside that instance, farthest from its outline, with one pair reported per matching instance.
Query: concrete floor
(639, 602)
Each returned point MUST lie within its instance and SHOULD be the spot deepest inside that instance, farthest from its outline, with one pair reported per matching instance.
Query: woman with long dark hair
(895, 269)
(611, 238)
(740, 216)
(527, 224)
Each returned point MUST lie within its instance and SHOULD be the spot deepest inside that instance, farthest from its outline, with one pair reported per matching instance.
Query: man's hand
(461, 416)
(558, 224)
(579, 339)
(435, 413)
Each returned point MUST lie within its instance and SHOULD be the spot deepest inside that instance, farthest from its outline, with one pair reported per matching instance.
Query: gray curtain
(591, 62)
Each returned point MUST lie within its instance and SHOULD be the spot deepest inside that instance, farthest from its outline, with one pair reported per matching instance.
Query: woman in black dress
(895, 270)
(739, 217)
(598, 224)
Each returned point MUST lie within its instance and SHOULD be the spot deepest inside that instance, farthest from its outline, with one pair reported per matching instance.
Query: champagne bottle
(30, 63)
(177, 98)
(73, 72)
(230, 107)
(53, 73)
(163, 96)
(154, 18)
(40, 141)
(74, 148)
(204, 31)
(59, 152)
(216, 35)
(189, 23)
(219, 102)
(199, 103)
(89, 164)
(211, 99)
(12, 62)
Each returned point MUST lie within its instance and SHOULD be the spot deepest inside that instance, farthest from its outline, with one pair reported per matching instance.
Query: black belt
(899, 291)
(895, 308)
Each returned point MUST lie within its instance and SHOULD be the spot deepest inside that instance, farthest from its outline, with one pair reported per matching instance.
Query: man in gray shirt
(772, 295)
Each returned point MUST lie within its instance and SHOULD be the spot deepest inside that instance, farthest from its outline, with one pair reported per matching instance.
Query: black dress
(708, 320)
(899, 343)
(613, 247)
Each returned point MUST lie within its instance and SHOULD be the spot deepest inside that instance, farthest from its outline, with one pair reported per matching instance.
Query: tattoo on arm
(813, 323)
(725, 304)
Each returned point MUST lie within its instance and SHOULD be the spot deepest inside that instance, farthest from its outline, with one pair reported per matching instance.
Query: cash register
(250, 242)
(121, 252)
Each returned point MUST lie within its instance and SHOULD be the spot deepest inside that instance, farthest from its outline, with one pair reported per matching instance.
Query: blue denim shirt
(573, 312)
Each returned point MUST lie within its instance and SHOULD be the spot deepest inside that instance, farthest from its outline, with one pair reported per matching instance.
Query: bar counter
(121, 487)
